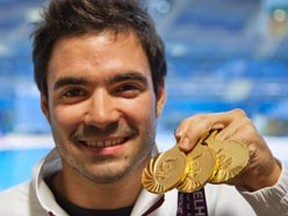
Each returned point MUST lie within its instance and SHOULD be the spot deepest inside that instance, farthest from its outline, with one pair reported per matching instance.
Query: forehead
(98, 53)
(94, 41)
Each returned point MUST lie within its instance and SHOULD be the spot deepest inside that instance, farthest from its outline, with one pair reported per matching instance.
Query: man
(100, 69)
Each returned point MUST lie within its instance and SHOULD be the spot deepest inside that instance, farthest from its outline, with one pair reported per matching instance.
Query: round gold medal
(202, 167)
(165, 171)
(233, 157)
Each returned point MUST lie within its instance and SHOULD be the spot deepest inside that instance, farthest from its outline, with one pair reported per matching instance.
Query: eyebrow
(70, 81)
(134, 76)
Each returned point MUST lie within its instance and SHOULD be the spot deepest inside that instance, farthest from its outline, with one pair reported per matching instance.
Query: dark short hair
(62, 18)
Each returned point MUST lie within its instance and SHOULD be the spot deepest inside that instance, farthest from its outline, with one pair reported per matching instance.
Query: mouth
(103, 143)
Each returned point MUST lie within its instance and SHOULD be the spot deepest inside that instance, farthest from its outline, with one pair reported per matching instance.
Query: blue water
(16, 165)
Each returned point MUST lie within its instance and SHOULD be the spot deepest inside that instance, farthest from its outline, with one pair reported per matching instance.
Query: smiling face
(101, 105)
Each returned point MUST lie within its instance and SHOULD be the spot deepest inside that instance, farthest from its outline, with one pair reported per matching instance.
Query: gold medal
(232, 158)
(202, 167)
(165, 171)
(210, 161)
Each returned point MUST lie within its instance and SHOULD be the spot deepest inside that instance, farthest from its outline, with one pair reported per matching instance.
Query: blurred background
(222, 54)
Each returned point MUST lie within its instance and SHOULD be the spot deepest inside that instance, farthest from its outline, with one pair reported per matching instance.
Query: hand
(263, 169)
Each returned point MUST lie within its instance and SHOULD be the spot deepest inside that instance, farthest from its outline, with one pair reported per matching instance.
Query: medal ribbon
(192, 204)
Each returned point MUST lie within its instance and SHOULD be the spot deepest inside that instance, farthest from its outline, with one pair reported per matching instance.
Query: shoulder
(17, 192)
(20, 200)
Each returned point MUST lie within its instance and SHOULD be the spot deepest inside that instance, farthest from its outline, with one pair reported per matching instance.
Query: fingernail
(252, 149)
(178, 132)
(185, 143)
(217, 126)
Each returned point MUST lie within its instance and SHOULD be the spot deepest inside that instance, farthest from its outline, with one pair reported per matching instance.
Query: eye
(128, 90)
(74, 95)
(74, 92)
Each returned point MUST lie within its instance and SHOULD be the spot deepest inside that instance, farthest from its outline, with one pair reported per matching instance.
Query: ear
(45, 107)
(161, 97)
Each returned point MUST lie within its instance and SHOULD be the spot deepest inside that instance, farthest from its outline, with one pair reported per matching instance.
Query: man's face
(101, 105)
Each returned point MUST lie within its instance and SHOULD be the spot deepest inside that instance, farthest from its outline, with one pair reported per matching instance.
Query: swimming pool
(16, 165)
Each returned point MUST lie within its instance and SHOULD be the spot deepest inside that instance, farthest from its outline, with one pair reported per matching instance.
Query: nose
(102, 110)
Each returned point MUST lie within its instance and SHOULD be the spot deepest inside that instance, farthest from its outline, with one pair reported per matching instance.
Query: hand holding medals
(210, 161)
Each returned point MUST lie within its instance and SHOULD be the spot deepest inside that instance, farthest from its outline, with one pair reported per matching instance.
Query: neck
(87, 194)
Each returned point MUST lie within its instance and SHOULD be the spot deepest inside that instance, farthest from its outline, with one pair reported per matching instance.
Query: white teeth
(104, 143)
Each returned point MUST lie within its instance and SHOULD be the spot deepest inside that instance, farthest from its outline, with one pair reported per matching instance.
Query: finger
(242, 130)
(231, 130)
(192, 129)
(226, 118)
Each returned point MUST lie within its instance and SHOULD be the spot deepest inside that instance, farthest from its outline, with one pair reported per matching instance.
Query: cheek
(143, 111)
(66, 116)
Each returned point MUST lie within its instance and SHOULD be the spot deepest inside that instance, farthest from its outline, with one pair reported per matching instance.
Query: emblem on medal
(232, 157)
(165, 171)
